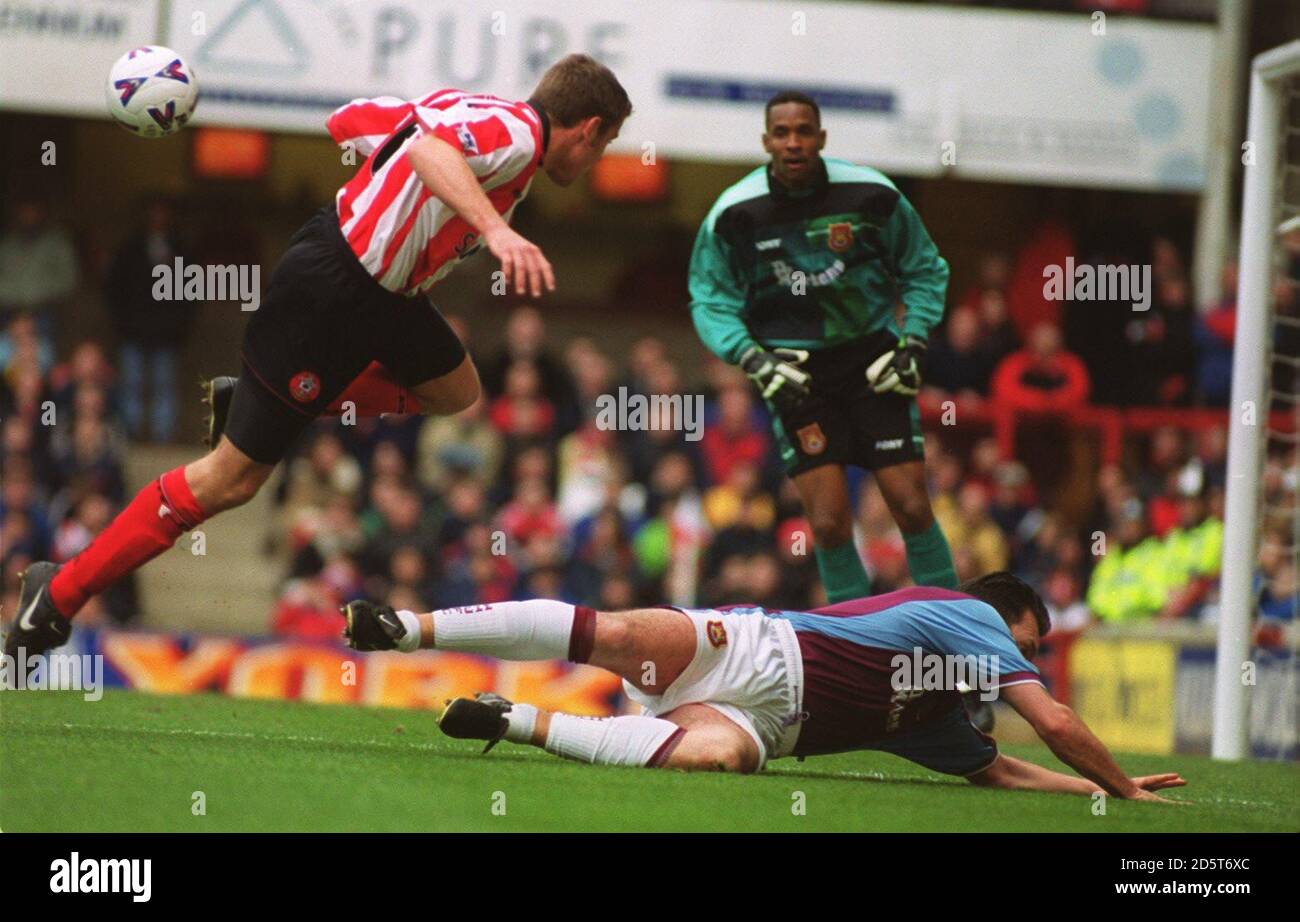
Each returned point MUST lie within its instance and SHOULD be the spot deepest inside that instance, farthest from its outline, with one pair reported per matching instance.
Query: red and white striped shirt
(404, 236)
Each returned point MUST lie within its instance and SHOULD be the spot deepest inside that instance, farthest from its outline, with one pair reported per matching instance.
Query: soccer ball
(151, 91)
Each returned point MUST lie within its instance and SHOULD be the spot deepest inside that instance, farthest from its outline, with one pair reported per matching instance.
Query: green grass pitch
(134, 762)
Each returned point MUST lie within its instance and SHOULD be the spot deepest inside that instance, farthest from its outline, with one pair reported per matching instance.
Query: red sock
(376, 391)
(143, 530)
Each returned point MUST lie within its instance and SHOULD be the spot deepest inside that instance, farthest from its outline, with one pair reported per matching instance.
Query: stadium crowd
(524, 494)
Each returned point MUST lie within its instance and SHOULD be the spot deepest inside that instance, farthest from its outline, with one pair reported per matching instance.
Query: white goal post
(1265, 132)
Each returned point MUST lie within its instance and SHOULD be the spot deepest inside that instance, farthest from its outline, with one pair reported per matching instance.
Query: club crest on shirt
(304, 386)
(717, 633)
(839, 236)
(811, 439)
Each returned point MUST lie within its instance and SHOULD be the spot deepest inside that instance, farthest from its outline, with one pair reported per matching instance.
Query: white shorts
(748, 668)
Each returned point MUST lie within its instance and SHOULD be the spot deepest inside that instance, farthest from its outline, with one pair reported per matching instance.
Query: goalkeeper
(795, 277)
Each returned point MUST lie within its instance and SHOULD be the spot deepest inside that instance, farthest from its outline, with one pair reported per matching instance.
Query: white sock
(531, 630)
(521, 720)
(623, 740)
(411, 639)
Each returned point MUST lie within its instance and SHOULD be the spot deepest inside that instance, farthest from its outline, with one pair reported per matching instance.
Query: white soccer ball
(152, 91)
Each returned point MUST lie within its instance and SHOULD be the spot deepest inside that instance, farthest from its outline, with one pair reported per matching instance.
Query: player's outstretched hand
(522, 261)
(1159, 782)
(1148, 784)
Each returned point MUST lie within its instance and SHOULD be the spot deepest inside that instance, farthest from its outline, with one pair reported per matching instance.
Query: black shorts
(949, 744)
(323, 320)
(844, 422)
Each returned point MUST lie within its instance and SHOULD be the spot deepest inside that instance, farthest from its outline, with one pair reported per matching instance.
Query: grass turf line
(134, 762)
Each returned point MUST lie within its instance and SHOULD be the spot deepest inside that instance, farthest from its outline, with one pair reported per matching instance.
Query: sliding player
(729, 689)
(345, 317)
(795, 277)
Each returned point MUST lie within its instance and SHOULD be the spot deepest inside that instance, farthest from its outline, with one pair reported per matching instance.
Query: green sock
(842, 572)
(929, 558)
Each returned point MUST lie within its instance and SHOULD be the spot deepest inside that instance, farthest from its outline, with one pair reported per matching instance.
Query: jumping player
(795, 277)
(729, 689)
(345, 318)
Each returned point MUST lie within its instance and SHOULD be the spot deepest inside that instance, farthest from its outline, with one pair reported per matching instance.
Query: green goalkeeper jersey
(813, 269)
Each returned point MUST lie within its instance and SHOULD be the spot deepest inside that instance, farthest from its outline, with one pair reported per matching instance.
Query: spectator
(958, 365)
(311, 480)
(38, 266)
(740, 498)
(404, 522)
(88, 457)
(152, 331)
(87, 368)
(1128, 582)
(531, 512)
(733, 439)
(967, 522)
(994, 274)
(1051, 243)
(1193, 552)
(1176, 353)
(884, 552)
(1042, 376)
(521, 412)
(997, 334)
(606, 551)
(464, 444)
(22, 344)
(1276, 583)
(307, 610)
(525, 342)
(1011, 506)
(1166, 456)
(1065, 604)
(1214, 332)
(588, 458)
(592, 376)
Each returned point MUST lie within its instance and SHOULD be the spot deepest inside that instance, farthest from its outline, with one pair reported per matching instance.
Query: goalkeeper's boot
(482, 717)
(371, 626)
(217, 393)
(37, 626)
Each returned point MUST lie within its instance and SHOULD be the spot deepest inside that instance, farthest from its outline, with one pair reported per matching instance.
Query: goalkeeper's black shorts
(323, 320)
(844, 422)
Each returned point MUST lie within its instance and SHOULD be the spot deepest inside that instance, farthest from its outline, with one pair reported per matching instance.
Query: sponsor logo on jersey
(771, 244)
(304, 386)
(839, 236)
(812, 440)
(468, 143)
(717, 633)
(788, 275)
(889, 444)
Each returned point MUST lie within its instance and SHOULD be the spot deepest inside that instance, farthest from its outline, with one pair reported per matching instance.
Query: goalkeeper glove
(899, 369)
(777, 375)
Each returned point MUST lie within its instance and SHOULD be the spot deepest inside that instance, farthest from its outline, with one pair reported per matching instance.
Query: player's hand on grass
(522, 261)
(1159, 782)
(1147, 785)
(899, 369)
(777, 375)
